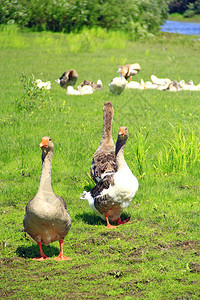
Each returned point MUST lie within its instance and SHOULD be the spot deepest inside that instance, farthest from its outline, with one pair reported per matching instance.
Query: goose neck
(107, 125)
(45, 179)
(119, 153)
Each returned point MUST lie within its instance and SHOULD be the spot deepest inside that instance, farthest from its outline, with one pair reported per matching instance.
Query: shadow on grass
(33, 251)
(92, 219)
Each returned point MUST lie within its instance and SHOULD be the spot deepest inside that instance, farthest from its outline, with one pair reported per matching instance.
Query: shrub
(34, 97)
(138, 17)
(186, 7)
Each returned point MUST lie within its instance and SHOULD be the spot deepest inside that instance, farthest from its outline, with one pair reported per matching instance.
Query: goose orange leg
(42, 255)
(109, 226)
(120, 222)
(61, 256)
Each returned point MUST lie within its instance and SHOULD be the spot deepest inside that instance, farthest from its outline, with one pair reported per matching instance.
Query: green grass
(181, 18)
(153, 256)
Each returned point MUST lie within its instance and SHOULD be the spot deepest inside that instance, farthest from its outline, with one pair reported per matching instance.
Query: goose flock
(68, 80)
(124, 81)
(118, 84)
(46, 218)
(163, 84)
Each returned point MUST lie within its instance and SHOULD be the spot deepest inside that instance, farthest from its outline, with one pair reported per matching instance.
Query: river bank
(180, 18)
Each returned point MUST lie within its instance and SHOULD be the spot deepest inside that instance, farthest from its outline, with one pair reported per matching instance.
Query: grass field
(157, 255)
(181, 18)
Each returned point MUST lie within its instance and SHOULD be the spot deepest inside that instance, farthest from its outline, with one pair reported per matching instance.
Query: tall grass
(181, 151)
(88, 40)
(141, 151)
(11, 38)
(96, 39)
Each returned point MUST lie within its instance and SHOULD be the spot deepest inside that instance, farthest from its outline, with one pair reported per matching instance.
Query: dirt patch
(112, 234)
(196, 187)
(6, 294)
(188, 243)
(79, 267)
(9, 262)
(185, 245)
(194, 267)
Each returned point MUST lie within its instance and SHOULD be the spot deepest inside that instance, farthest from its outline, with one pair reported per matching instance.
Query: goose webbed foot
(41, 258)
(42, 255)
(120, 222)
(109, 226)
(61, 256)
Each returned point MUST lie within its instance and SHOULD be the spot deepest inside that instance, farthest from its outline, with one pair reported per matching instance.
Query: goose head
(123, 133)
(46, 145)
(122, 71)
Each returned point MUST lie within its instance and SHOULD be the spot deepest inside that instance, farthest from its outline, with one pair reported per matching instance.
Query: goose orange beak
(123, 72)
(43, 143)
(121, 131)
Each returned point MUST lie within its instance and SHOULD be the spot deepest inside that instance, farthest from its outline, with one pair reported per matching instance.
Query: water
(181, 27)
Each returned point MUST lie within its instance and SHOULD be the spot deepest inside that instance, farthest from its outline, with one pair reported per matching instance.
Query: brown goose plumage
(95, 86)
(127, 71)
(68, 78)
(104, 158)
(47, 219)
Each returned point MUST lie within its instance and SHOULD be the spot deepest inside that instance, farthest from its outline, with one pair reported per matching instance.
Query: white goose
(103, 161)
(117, 85)
(85, 90)
(189, 86)
(164, 82)
(47, 219)
(114, 192)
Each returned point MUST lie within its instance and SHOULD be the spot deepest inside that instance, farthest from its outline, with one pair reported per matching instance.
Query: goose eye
(50, 139)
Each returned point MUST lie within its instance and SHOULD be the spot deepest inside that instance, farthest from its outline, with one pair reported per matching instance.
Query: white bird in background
(117, 85)
(132, 85)
(85, 90)
(189, 86)
(72, 91)
(43, 85)
(160, 81)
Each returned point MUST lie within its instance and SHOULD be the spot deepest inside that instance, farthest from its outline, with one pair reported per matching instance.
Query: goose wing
(103, 201)
(103, 163)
